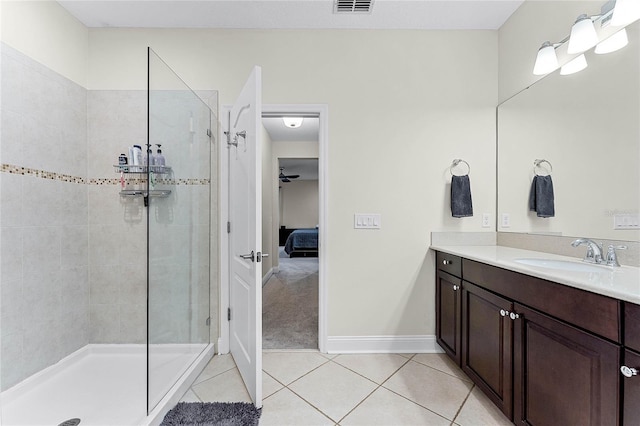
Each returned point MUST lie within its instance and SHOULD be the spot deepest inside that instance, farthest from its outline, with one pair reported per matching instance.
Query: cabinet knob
(503, 313)
(514, 316)
(628, 371)
(446, 262)
(455, 288)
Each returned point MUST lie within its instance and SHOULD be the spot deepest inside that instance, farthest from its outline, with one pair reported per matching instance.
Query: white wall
(299, 201)
(402, 105)
(47, 33)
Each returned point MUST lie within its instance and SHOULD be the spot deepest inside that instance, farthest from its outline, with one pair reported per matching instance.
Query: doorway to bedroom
(291, 214)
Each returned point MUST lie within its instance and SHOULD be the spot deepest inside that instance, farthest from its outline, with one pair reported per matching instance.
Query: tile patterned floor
(310, 388)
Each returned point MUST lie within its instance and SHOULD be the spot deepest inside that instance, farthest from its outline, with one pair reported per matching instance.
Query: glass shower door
(179, 202)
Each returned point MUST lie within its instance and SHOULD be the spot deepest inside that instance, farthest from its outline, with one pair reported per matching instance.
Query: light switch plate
(626, 221)
(366, 221)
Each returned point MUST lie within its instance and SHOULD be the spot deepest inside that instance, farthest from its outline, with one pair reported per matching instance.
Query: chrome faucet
(612, 256)
(594, 250)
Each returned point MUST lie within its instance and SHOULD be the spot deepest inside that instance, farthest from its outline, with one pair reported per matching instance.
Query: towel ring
(537, 164)
(455, 163)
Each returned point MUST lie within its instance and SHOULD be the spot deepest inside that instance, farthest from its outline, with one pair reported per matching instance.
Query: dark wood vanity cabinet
(562, 375)
(543, 352)
(487, 331)
(631, 359)
(448, 304)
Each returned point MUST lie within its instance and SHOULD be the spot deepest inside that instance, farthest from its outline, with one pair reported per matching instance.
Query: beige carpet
(290, 305)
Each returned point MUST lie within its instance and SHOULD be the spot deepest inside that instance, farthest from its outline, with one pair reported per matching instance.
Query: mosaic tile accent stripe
(43, 174)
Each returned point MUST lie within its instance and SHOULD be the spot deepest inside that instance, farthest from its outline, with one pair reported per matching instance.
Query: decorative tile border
(43, 174)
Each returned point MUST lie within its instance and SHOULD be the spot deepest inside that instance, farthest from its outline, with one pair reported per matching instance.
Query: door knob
(628, 371)
(249, 256)
(261, 255)
(514, 316)
(446, 262)
(503, 313)
(455, 288)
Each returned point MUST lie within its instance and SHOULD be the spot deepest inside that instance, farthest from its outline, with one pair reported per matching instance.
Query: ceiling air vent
(353, 6)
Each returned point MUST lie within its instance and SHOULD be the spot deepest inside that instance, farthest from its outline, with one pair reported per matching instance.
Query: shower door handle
(249, 256)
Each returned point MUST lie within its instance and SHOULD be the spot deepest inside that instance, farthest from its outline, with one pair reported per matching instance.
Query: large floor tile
(479, 410)
(269, 385)
(218, 365)
(376, 367)
(286, 367)
(284, 408)
(225, 387)
(443, 363)
(384, 407)
(190, 396)
(333, 389)
(433, 389)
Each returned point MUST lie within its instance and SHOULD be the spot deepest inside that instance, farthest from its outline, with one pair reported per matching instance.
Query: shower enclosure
(145, 287)
(180, 124)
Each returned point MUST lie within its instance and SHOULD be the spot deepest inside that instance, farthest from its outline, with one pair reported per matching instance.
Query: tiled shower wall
(44, 226)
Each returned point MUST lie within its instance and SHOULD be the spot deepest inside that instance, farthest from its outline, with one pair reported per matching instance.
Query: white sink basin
(563, 265)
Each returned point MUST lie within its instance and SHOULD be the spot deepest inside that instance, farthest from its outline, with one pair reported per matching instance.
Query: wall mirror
(587, 126)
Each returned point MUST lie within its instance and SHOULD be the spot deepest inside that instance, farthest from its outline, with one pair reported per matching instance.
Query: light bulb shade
(546, 61)
(573, 66)
(613, 43)
(292, 122)
(625, 12)
(583, 35)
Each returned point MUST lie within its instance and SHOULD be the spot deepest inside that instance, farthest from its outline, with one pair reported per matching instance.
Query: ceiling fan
(286, 178)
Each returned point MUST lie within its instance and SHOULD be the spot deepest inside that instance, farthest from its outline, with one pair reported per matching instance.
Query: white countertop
(621, 283)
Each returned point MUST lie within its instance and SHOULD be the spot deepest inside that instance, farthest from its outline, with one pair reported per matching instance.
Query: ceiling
(278, 132)
(292, 14)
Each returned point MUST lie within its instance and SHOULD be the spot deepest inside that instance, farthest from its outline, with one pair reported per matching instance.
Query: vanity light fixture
(292, 122)
(583, 35)
(547, 60)
(575, 65)
(613, 43)
(625, 12)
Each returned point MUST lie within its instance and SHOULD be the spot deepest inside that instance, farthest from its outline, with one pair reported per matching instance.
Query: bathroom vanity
(545, 343)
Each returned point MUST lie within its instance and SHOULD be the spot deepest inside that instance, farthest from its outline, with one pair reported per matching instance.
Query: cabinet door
(487, 343)
(562, 375)
(448, 289)
(631, 396)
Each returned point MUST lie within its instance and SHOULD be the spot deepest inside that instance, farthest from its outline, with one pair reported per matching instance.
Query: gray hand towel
(541, 196)
(461, 196)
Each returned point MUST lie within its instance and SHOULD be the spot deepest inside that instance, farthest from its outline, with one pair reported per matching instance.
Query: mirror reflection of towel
(461, 196)
(541, 196)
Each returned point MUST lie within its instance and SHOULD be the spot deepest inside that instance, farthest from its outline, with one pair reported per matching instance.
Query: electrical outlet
(506, 220)
(486, 220)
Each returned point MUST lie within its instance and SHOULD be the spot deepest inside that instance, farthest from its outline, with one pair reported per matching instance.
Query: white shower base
(105, 385)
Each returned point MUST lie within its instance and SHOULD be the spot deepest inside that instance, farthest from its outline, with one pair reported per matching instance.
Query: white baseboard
(267, 276)
(382, 344)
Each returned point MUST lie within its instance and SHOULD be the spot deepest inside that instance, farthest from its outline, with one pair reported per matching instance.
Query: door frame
(322, 110)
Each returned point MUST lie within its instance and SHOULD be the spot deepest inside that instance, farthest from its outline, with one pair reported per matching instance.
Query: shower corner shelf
(128, 168)
(160, 193)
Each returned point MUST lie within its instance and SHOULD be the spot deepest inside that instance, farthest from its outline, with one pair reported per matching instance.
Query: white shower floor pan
(105, 385)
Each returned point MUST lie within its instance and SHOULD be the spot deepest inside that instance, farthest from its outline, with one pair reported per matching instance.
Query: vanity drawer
(632, 326)
(449, 263)
(589, 311)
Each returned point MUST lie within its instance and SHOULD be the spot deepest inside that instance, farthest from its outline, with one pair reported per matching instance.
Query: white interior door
(245, 238)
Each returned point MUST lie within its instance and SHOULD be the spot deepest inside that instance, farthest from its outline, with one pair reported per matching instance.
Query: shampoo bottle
(159, 158)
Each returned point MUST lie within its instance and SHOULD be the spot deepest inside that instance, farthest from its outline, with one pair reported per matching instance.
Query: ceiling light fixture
(575, 65)
(547, 60)
(613, 43)
(583, 35)
(292, 122)
(625, 12)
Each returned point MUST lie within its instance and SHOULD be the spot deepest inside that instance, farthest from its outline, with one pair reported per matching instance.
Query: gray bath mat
(212, 414)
